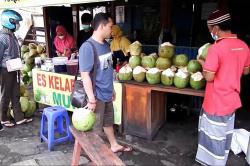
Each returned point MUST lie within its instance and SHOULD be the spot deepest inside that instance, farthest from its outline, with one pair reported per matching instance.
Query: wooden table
(144, 107)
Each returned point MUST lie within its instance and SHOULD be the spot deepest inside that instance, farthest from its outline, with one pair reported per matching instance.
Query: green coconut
(25, 48)
(180, 60)
(181, 79)
(166, 50)
(27, 68)
(26, 93)
(134, 61)
(32, 53)
(203, 50)
(125, 73)
(22, 89)
(163, 63)
(148, 62)
(197, 81)
(30, 74)
(25, 55)
(167, 77)
(38, 95)
(40, 49)
(24, 103)
(139, 74)
(32, 46)
(31, 110)
(26, 79)
(135, 48)
(194, 66)
(83, 119)
(29, 60)
(153, 76)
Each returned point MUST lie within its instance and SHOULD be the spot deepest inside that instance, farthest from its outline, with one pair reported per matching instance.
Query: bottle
(118, 66)
(38, 62)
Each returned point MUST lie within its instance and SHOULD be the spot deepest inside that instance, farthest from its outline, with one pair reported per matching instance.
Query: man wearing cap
(228, 58)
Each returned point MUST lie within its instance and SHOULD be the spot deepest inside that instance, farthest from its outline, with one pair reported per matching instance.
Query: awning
(40, 3)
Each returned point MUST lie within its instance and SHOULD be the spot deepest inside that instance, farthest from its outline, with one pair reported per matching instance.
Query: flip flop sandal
(8, 124)
(124, 149)
(4, 122)
(28, 120)
(24, 121)
(21, 121)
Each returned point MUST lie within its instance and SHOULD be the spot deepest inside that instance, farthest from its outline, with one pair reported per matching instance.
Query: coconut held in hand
(197, 81)
(83, 119)
(153, 76)
(167, 77)
(139, 74)
(125, 73)
(203, 50)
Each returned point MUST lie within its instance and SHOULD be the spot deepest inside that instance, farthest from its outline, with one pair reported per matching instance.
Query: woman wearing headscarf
(120, 46)
(64, 42)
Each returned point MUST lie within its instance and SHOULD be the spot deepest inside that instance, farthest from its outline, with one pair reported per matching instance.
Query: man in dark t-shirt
(86, 31)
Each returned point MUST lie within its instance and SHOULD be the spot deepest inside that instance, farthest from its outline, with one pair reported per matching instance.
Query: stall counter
(144, 107)
(54, 89)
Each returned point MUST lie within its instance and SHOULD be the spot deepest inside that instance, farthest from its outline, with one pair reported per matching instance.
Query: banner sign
(54, 89)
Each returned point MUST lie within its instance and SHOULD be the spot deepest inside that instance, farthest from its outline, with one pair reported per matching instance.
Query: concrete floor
(174, 145)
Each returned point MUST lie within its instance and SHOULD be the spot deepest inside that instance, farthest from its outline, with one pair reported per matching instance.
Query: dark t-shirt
(83, 36)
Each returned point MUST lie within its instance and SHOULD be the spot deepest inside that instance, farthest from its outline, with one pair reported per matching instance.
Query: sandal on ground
(124, 149)
(24, 121)
(28, 120)
(7, 123)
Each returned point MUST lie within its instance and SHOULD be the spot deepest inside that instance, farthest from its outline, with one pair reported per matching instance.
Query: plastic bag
(240, 140)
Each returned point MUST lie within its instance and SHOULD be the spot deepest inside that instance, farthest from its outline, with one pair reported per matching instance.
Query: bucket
(71, 66)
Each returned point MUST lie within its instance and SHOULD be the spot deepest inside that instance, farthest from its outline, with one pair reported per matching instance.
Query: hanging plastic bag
(240, 140)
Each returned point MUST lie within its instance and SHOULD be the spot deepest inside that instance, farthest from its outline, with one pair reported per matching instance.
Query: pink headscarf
(64, 44)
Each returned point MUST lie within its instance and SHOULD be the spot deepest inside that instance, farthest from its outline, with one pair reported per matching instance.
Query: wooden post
(76, 153)
(75, 15)
(47, 31)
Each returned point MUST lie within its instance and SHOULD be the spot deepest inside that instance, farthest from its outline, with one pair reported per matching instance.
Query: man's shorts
(104, 115)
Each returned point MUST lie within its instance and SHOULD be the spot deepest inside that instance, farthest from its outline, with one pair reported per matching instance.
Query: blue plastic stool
(51, 115)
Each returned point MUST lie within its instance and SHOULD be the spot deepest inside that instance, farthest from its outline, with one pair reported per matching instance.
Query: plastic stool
(51, 115)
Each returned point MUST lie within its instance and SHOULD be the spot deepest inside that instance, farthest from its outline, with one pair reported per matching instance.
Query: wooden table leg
(76, 154)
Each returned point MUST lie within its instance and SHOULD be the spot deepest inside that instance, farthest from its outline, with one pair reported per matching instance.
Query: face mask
(215, 37)
(17, 27)
(85, 27)
(61, 37)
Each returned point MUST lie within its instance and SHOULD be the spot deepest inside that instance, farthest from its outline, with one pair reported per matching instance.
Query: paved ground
(175, 145)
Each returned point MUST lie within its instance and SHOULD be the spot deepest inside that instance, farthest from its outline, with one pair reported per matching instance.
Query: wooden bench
(96, 149)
